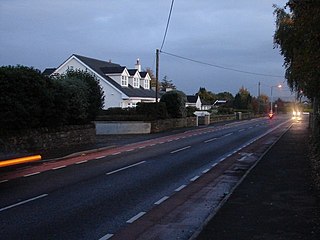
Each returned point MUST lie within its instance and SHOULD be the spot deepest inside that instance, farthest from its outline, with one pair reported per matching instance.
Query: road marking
(136, 217)
(205, 171)
(130, 150)
(55, 168)
(124, 168)
(227, 135)
(117, 153)
(241, 130)
(180, 188)
(161, 200)
(181, 149)
(142, 147)
(210, 140)
(100, 157)
(215, 164)
(222, 159)
(106, 237)
(153, 144)
(2, 181)
(194, 178)
(31, 174)
(81, 162)
(23, 202)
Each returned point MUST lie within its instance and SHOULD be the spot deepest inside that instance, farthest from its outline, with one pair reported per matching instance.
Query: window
(124, 81)
(135, 82)
(146, 84)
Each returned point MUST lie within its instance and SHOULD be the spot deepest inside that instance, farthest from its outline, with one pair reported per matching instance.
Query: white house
(193, 101)
(122, 87)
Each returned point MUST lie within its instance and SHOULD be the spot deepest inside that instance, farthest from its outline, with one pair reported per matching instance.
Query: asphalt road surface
(96, 197)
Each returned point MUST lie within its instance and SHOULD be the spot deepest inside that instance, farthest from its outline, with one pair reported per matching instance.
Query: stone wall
(46, 139)
(163, 125)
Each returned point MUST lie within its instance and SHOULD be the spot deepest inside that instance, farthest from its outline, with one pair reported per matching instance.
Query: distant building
(193, 101)
(122, 87)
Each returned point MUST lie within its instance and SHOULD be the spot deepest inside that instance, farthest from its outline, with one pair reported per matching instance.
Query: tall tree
(243, 99)
(298, 36)
(167, 84)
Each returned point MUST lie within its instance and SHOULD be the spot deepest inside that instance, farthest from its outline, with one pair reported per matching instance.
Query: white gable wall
(112, 96)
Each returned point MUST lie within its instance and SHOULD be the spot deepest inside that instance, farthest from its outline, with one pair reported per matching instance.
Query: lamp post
(279, 86)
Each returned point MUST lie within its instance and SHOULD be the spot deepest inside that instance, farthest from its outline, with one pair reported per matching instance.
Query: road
(95, 196)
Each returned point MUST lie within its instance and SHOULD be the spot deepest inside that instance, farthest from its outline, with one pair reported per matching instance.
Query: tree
(176, 103)
(24, 98)
(206, 96)
(298, 36)
(166, 84)
(243, 99)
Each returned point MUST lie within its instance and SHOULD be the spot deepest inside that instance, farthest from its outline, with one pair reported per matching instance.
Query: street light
(278, 86)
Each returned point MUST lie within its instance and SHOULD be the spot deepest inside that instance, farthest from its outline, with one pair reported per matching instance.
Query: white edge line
(3, 181)
(106, 237)
(180, 188)
(194, 178)
(23, 202)
(181, 149)
(31, 174)
(161, 200)
(136, 217)
(100, 157)
(215, 164)
(117, 153)
(124, 168)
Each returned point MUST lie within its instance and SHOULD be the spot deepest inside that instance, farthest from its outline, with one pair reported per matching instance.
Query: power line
(221, 67)
(168, 21)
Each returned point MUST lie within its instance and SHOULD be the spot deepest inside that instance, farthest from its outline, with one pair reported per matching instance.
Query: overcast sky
(230, 33)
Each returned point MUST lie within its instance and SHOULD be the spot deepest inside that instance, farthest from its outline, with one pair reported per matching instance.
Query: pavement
(275, 200)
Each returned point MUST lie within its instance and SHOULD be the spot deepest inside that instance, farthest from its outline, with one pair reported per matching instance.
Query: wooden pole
(157, 73)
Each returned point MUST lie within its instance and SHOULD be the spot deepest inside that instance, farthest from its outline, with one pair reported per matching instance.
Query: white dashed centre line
(180, 149)
(210, 140)
(23, 202)
(124, 168)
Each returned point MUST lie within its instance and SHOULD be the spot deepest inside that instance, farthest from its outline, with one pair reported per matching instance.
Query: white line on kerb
(106, 237)
(180, 188)
(136, 217)
(124, 168)
(161, 200)
(194, 178)
(181, 149)
(31, 174)
(23, 202)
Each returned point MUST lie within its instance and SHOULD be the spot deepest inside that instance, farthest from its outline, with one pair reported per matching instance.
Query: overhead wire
(221, 67)
(168, 22)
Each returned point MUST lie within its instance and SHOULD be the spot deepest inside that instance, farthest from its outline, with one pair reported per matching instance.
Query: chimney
(137, 65)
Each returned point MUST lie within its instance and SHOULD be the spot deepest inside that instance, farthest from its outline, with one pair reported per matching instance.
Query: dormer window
(124, 81)
(135, 82)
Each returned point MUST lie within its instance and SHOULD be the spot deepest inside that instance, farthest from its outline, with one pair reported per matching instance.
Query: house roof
(143, 74)
(111, 70)
(101, 67)
(48, 71)
(132, 72)
(192, 98)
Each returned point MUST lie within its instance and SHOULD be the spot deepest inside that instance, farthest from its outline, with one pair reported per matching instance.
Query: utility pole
(259, 99)
(157, 73)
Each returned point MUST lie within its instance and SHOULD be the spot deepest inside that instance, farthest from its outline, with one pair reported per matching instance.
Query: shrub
(176, 103)
(153, 110)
